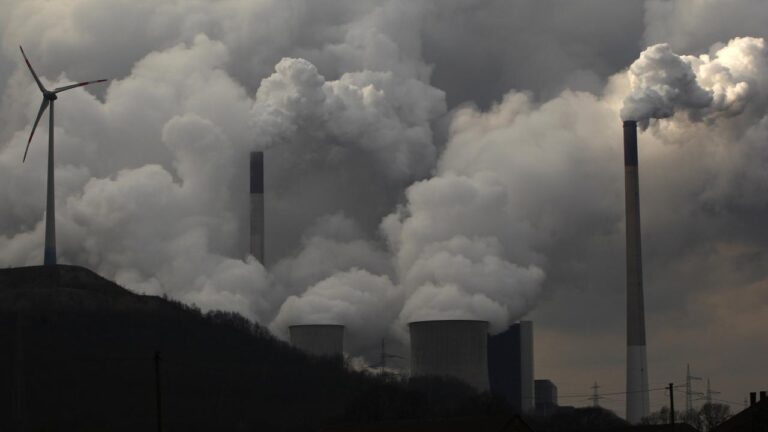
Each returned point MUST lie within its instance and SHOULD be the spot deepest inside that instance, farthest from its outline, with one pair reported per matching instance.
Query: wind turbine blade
(31, 69)
(71, 86)
(43, 106)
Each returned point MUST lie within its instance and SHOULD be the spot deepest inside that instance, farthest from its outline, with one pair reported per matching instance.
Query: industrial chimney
(456, 348)
(325, 340)
(637, 364)
(257, 206)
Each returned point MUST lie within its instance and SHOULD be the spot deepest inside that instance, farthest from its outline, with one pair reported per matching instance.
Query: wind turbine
(49, 256)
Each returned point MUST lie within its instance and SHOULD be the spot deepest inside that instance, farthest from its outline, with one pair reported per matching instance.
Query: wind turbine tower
(49, 97)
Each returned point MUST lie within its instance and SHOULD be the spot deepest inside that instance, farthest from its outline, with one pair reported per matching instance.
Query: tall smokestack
(637, 364)
(257, 206)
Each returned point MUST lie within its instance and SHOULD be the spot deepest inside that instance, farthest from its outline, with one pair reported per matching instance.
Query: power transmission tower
(710, 392)
(595, 395)
(385, 355)
(689, 393)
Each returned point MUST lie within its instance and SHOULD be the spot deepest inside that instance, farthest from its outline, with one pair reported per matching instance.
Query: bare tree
(657, 417)
(713, 414)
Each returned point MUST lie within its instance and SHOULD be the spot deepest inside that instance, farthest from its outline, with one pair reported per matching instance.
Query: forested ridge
(79, 354)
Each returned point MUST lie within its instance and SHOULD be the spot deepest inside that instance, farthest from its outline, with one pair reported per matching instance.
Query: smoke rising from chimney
(712, 85)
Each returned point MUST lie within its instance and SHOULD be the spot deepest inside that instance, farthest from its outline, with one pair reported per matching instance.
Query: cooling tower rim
(446, 321)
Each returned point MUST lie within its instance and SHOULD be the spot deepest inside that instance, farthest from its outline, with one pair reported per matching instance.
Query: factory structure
(546, 396)
(455, 348)
(510, 365)
(503, 363)
(461, 349)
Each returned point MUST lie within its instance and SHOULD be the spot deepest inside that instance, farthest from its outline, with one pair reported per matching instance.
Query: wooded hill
(78, 354)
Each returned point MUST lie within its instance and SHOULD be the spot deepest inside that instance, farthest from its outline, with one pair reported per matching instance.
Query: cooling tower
(456, 348)
(510, 365)
(257, 206)
(637, 365)
(318, 339)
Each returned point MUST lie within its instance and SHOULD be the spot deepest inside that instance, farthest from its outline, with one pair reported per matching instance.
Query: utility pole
(19, 374)
(672, 403)
(595, 395)
(157, 393)
(689, 388)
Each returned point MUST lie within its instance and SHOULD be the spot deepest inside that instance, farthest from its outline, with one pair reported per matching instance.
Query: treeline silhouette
(78, 353)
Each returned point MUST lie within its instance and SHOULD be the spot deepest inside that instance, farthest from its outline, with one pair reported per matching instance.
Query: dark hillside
(79, 355)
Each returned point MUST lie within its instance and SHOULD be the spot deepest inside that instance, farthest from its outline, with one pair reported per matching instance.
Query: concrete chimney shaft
(257, 206)
(637, 364)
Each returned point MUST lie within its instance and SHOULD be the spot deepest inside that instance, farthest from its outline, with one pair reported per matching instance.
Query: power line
(710, 392)
(595, 395)
(386, 355)
(590, 395)
(689, 393)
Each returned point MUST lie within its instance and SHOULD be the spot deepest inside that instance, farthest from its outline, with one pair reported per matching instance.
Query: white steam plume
(449, 257)
(366, 304)
(720, 83)
(167, 221)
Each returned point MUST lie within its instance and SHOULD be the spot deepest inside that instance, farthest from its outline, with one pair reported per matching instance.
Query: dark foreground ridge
(78, 354)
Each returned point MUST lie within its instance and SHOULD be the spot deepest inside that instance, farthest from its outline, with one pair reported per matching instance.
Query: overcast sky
(424, 159)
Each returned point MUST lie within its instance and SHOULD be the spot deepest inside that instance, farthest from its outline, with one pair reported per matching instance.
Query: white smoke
(145, 179)
(712, 85)
(364, 303)
(385, 116)
(449, 256)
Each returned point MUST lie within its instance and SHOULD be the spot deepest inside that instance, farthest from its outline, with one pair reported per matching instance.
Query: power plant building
(510, 365)
(326, 340)
(453, 348)
(546, 395)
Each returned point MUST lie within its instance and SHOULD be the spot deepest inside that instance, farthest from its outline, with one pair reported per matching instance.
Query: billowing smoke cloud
(721, 83)
(148, 177)
(449, 256)
(387, 117)
(366, 304)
